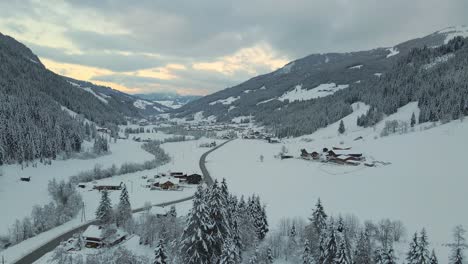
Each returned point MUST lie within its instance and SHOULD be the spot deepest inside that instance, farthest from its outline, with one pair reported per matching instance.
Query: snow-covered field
(184, 157)
(299, 94)
(424, 186)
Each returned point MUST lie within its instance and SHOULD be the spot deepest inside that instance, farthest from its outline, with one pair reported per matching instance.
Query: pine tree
(434, 258)
(341, 129)
(237, 241)
(269, 257)
(331, 247)
(388, 257)
(104, 210)
(458, 245)
(124, 209)
(341, 257)
(172, 212)
(160, 256)
(422, 251)
(228, 253)
(411, 256)
(363, 253)
(413, 120)
(307, 254)
(196, 238)
(319, 218)
(218, 213)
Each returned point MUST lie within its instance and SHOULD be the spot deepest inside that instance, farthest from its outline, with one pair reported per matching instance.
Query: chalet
(93, 237)
(109, 187)
(341, 148)
(143, 122)
(177, 174)
(274, 140)
(315, 155)
(194, 178)
(345, 160)
(103, 130)
(167, 183)
(25, 179)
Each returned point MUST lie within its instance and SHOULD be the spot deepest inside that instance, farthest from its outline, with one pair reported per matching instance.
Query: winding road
(51, 245)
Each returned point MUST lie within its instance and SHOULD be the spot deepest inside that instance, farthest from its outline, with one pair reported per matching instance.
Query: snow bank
(141, 104)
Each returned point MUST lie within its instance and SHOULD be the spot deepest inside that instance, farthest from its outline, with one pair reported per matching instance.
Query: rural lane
(51, 245)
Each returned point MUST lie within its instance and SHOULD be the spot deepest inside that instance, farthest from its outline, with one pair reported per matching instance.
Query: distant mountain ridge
(171, 100)
(268, 97)
(127, 104)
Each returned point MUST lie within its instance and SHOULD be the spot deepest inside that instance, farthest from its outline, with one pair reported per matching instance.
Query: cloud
(214, 43)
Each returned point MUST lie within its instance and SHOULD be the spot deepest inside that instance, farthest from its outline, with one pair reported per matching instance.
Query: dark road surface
(51, 245)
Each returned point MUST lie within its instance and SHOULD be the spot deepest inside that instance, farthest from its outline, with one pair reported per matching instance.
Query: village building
(94, 237)
(109, 187)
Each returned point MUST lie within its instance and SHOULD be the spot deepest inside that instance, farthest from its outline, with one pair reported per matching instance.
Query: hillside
(171, 100)
(312, 92)
(126, 104)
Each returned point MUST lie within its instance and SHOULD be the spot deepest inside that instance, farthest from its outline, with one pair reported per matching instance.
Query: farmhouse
(108, 187)
(167, 183)
(94, 237)
(194, 178)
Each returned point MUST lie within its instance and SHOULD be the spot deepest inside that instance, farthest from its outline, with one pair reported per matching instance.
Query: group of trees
(220, 227)
(66, 203)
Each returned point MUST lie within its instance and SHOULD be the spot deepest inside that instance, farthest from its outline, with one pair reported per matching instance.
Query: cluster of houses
(338, 155)
(251, 134)
(172, 180)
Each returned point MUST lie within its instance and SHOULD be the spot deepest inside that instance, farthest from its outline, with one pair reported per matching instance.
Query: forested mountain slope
(318, 90)
(126, 104)
(33, 124)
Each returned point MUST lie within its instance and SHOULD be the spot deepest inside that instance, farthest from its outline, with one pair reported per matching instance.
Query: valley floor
(424, 186)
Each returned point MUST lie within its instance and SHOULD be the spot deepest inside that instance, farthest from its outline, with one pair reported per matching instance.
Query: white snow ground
(184, 157)
(299, 94)
(425, 185)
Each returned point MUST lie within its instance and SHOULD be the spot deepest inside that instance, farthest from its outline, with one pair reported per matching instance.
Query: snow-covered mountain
(171, 100)
(319, 87)
(128, 105)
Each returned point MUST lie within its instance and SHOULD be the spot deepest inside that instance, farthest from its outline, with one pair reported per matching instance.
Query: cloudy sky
(201, 46)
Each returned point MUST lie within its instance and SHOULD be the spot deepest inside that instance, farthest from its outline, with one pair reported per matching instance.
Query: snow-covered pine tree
(422, 250)
(269, 256)
(293, 232)
(341, 257)
(331, 247)
(341, 128)
(160, 256)
(458, 245)
(388, 257)
(237, 241)
(228, 253)
(413, 120)
(218, 213)
(457, 258)
(104, 210)
(258, 214)
(363, 253)
(172, 212)
(322, 250)
(411, 256)
(196, 238)
(307, 254)
(124, 208)
(319, 218)
(434, 259)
